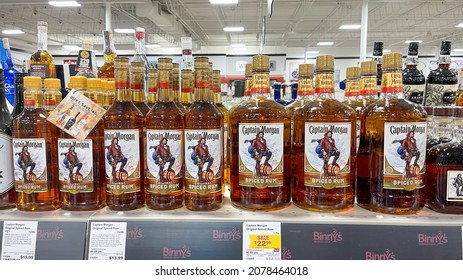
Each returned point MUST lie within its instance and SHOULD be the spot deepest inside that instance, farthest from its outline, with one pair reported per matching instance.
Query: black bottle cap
(445, 47)
(378, 49)
(413, 48)
(239, 88)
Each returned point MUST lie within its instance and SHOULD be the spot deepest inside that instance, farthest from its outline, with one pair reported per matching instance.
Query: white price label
(19, 240)
(107, 241)
(262, 241)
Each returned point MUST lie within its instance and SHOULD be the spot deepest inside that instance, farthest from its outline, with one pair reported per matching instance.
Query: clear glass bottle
(9, 73)
(392, 152)
(52, 94)
(35, 153)
(324, 147)
(413, 79)
(152, 86)
(260, 140)
(137, 86)
(165, 146)
(378, 58)
(203, 146)
(87, 60)
(140, 55)
(187, 85)
(106, 71)
(42, 63)
(18, 93)
(123, 135)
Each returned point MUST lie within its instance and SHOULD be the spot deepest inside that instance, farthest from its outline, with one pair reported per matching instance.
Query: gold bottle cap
(175, 66)
(104, 85)
(353, 72)
(137, 66)
(111, 85)
(165, 63)
(94, 83)
(152, 73)
(186, 72)
(248, 72)
(78, 82)
(368, 67)
(52, 83)
(325, 62)
(121, 62)
(260, 63)
(216, 80)
(392, 60)
(201, 62)
(306, 70)
(32, 82)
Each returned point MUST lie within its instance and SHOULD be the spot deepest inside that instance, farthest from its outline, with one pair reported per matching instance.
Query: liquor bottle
(123, 135)
(352, 86)
(52, 94)
(324, 147)
(238, 96)
(8, 71)
(42, 63)
(79, 83)
(248, 80)
(18, 93)
(110, 94)
(413, 79)
(260, 140)
(368, 93)
(94, 90)
(187, 87)
(137, 86)
(152, 86)
(277, 94)
(140, 55)
(442, 83)
(442, 126)
(176, 86)
(392, 152)
(106, 71)
(35, 153)
(444, 168)
(165, 146)
(70, 123)
(378, 58)
(86, 60)
(7, 193)
(203, 146)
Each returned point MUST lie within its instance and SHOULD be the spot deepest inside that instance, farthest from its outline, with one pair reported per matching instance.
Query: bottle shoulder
(258, 108)
(203, 110)
(413, 77)
(324, 109)
(395, 110)
(442, 76)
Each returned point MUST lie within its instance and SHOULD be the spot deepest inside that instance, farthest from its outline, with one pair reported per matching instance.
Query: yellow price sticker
(265, 241)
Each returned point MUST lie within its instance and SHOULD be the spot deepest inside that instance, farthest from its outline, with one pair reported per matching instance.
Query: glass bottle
(140, 55)
(94, 90)
(18, 93)
(123, 135)
(106, 71)
(7, 192)
(87, 60)
(392, 152)
(102, 96)
(152, 86)
(165, 146)
(260, 140)
(176, 86)
(9, 72)
(248, 80)
(203, 146)
(110, 94)
(52, 94)
(378, 58)
(413, 79)
(432, 140)
(187, 87)
(352, 86)
(35, 153)
(137, 86)
(305, 90)
(42, 63)
(368, 93)
(442, 83)
(277, 94)
(79, 83)
(324, 147)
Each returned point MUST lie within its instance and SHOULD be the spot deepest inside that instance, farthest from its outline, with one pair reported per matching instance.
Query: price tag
(107, 241)
(262, 241)
(19, 240)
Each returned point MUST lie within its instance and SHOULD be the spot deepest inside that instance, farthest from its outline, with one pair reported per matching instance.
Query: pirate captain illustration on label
(25, 162)
(162, 157)
(201, 157)
(116, 157)
(258, 149)
(409, 152)
(326, 149)
(71, 161)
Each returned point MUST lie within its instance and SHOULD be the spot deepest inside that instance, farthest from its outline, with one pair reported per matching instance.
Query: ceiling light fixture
(237, 46)
(459, 25)
(410, 41)
(64, 3)
(386, 51)
(124, 30)
(153, 46)
(12, 31)
(312, 52)
(457, 50)
(223, 2)
(350, 26)
(325, 43)
(71, 47)
(233, 29)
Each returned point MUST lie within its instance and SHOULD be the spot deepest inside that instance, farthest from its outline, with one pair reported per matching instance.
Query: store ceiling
(293, 24)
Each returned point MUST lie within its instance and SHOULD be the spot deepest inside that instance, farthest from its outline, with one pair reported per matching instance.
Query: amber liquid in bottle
(324, 169)
(165, 147)
(176, 86)
(106, 71)
(266, 183)
(124, 124)
(375, 188)
(42, 63)
(152, 87)
(187, 88)
(36, 181)
(203, 136)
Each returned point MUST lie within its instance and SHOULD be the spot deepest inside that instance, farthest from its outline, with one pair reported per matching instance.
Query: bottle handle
(433, 65)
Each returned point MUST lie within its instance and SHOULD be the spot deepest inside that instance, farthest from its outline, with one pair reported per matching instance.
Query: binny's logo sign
(172, 253)
(387, 255)
(331, 237)
(134, 233)
(438, 239)
(56, 234)
(219, 235)
(286, 254)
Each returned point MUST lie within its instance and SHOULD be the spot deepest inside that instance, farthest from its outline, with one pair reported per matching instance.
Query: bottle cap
(137, 67)
(248, 72)
(165, 63)
(325, 62)
(104, 85)
(139, 33)
(32, 82)
(378, 49)
(305, 70)
(201, 62)
(94, 83)
(353, 72)
(121, 62)
(368, 67)
(443, 111)
(153, 73)
(111, 85)
(175, 66)
(260, 63)
(413, 48)
(445, 47)
(392, 60)
(52, 83)
(78, 82)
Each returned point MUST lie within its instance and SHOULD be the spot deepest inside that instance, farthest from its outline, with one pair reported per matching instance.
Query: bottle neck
(247, 86)
(33, 98)
(324, 84)
(138, 95)
(443, 127)
(122, 85)
(201, 95)
(217, 97)
(444, 61)
(42, 40)
(411, 60)
(261, 84)
(109, 52)
(305, 88)
(368, 88)
(140, 46)
(165, 95)
(391, 84)
(352, 89)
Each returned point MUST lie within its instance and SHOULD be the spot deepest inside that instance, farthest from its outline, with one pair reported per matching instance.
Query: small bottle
(392, 152)
(42, 63)
(86, 60)
(110, 94)
(7, 192)
(123, 136)
(9, 73)
(277, 94)
(165, 146)
(106, 71)
(413, 79)
(324, 147)
(442, 83)
(152, 86)
(176, 86)
(187, 81)
(137, 86)
(260, 153)
(18, 93)
(52, 94)
(203, 146)
(378, 58)
(35, 153)
(93, 91)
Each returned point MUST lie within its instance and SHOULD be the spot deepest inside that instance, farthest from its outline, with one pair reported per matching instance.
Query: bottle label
(414, 93)
(324, 83)
(9, 88)
(203, 161)
(40, 70)
(75, 164)
(165, 161)
(122, 148)
(368, 86)
(30, 165)
(327, 151)
(357, 129)
(84, 60)
(305, 87)
(454, 185)
(6, 167)
(404, 155)
(260, 83)
(261, 154)
(391, 82)
(440, 95)
(352, 88)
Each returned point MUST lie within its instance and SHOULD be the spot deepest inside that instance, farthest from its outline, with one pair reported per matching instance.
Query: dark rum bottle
(18, 93)
(413, 79)
(165, 147)
(260, 140)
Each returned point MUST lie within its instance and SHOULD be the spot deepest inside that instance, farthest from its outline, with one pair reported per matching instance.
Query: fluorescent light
(459, 25)
(410, 41)
(169, 49)
(239, 49)
(71, 47)
(124, 30)
(386, 51)
(312, 52)
(223, 2)
(325, 43)
(350, 26)
(153, 46)
(64, 3)
(238, 46)
(458, 50)
(12, 31)
(233, 29)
